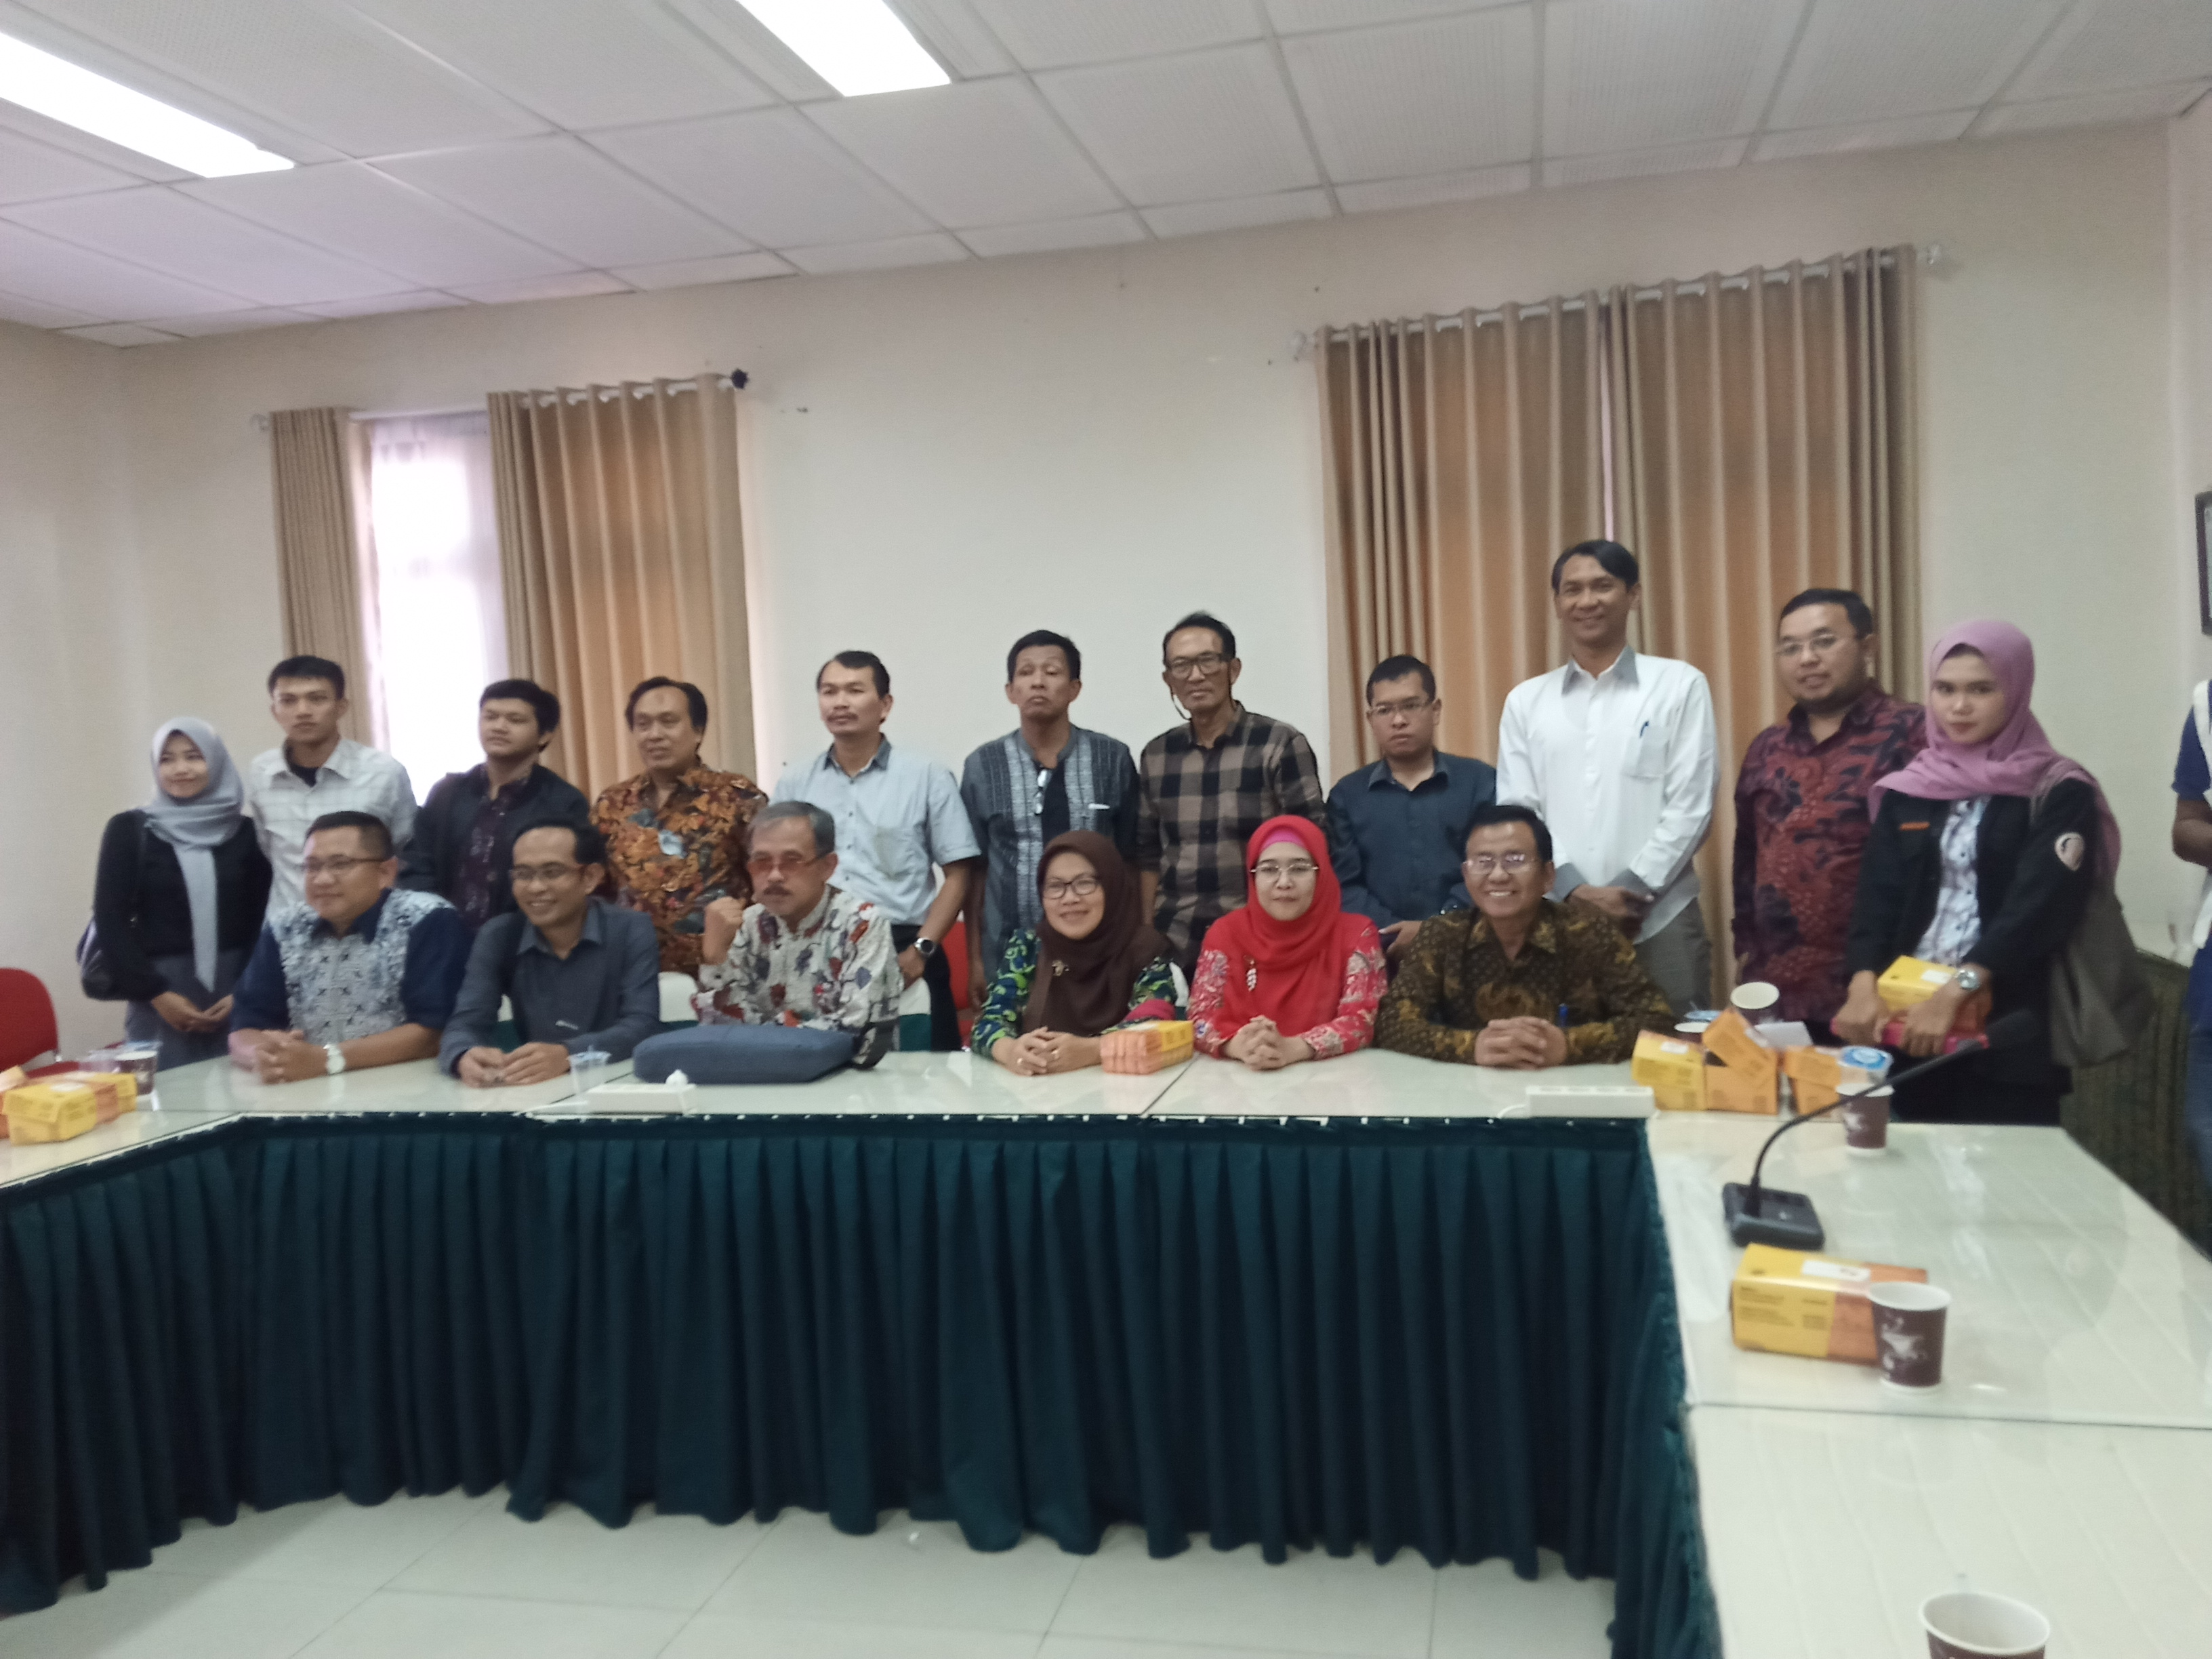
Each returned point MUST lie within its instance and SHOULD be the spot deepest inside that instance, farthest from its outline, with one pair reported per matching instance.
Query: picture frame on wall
(2204, 561)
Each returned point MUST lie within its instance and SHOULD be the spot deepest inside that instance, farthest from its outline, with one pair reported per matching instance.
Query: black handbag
(95, 973)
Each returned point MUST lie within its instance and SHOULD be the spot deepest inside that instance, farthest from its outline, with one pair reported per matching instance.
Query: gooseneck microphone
(1758, 1215)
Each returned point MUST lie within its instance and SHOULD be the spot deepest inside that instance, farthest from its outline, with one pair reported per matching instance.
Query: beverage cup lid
(1866, 1059)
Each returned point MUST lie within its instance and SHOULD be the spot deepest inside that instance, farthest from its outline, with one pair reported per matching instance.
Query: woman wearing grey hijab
(180, 895)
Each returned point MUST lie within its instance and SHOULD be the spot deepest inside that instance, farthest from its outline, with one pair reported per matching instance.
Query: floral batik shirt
(1351, 1027)
(671, 862)
(834, 971)
(1152, 997)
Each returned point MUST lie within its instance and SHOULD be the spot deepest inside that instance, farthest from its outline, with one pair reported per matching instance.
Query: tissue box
(55, 1109)
(1152, 1047)
(1741, 1089)
(1674, 1070)
(1732, 1040)
(1815, 1306)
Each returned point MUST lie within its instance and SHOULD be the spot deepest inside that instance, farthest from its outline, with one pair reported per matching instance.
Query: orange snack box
(1731, 1038)
(1672, 1069)
(53, 1109)
(1814, 1306)
(1153, 1046)
(1741, 1089)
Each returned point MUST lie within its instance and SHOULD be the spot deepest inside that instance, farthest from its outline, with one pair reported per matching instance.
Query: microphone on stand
(1758, 1215)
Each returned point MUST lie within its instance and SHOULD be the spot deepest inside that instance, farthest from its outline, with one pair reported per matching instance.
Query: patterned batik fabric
(340, 986)
(1152, 997)
(835, 970)
(671, 862)
(1351, 1028)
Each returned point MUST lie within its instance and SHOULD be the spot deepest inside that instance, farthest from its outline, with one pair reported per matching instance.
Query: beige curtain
(1463, 452)
(623, 558)
(316, 459)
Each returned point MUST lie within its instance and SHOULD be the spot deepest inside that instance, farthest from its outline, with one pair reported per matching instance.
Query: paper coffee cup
(1754, 998)
(1866, 1124)
(1908, 1332)
(1976, 1625)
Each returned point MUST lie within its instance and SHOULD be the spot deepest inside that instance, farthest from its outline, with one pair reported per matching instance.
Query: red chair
(27, 1020)
(963, 994)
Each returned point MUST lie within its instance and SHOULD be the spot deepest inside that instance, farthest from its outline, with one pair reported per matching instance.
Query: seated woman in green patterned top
(1093, 965)
(1519, 981)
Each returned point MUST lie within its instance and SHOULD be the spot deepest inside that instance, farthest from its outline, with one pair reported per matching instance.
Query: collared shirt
(1957, 924)
(1800, 830)
(1576, 968)
(355, 779)
(1620, 766)
(1198, 806)
(901, 815)
(604, 995)
(1398, 851)
(672, 862)
(1092, 785)
(400, 964)
(2192, 780)
(834, 970)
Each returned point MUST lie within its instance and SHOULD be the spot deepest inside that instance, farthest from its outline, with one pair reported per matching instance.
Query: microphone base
(1786, 1220)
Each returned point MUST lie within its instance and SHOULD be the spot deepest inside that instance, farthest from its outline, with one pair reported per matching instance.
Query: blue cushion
(742, 1054)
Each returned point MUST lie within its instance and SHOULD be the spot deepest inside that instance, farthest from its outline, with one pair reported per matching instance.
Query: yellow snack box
(1815, 1306)
(1153, 1046)
(1908, 982)
(56, 1109)
(1674, 1070)
(1731, 1038)
(118, 1091)
(1739, 1088)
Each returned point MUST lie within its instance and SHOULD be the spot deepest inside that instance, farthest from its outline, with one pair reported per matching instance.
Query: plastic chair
(27, 1018)
(963, 994)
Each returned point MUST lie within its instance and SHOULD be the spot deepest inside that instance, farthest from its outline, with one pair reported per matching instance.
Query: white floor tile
(1485, 1612)
(671, 1561)
(906, 1573)
(712, 1635)
(396, 1625)
(150, 1615)
(330, 1542)
(1311, 1604)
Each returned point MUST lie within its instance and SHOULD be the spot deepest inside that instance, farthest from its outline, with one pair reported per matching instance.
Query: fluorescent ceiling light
(53, 86)
(857, 45)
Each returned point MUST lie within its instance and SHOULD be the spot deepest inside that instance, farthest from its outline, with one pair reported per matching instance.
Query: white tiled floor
(456, 1577)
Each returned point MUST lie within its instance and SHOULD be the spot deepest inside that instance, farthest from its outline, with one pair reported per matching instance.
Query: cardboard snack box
(1153, 1046)
(1673, 1069)
(1732, 1040)
(1908, 982)
(53, 1108)
(1814, 1306)
(1739, 1088)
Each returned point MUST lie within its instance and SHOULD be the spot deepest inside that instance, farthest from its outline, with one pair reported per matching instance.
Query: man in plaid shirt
(1206, 785)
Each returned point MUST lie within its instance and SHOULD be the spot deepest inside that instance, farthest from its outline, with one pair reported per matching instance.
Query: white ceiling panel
(382, 303)
(560, 193)
(1627, 74)
(1646, 163)
(696, 273)
(580, 64)
(1195, 218)
(955, 34)
(1864, 135)
(1860, 60)
(121, 334)
(772, 177)
(1051, 33)
(1424, 98)
(153, 226)
(734, 30)
(311, 64)
(30, 170)
(1212, 125)
(1302, 16)
(37, 315)
(2104, 45)
(230, 322)
(977, 153)
(40, 268)
(1437, 187)
(1055, 236)
(2098, 109)
(577, 285)
(935, 248)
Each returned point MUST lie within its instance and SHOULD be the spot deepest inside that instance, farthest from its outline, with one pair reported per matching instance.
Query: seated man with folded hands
(1520, 981)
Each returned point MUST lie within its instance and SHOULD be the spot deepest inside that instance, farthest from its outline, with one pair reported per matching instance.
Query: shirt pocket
(1646, 759)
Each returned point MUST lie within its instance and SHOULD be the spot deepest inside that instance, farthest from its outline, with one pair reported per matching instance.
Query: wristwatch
(333, 1059)
(925, 947)
(1968, 980)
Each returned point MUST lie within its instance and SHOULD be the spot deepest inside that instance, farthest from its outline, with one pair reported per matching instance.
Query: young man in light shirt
(1616, 751)
(316, 771)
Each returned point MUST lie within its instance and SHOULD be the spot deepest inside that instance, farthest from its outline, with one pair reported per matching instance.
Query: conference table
(1365, 1302)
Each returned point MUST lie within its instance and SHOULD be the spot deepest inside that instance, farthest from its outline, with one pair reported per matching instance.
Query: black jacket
(2031, 900)
(143, 911)
(434, 856)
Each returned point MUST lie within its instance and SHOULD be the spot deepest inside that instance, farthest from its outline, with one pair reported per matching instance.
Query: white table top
(417, 1086)
(2075, 1301)
(1824, 1532)
(1373, 1083)
(958, 1084)
(126, 1133)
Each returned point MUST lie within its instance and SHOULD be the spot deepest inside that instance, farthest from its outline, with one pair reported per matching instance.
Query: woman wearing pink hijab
(1983, 851)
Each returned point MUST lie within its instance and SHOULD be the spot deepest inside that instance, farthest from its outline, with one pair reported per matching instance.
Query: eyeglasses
(1044, 781)
(761, 864)
(543, 875)
(1073, 887)
(1196, 668)
(1512, 863)
(1409, 707)
(1820, 645)
(1271, 870)
(339, 867)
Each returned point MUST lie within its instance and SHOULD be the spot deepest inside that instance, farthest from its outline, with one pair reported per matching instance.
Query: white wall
(940, 458)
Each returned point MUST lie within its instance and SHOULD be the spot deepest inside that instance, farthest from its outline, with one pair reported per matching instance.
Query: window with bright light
(437, 634)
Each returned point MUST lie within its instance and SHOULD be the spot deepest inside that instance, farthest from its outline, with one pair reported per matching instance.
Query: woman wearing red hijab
(1291, 976)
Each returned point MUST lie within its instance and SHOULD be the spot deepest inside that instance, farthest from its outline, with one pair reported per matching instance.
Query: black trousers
(937, 974)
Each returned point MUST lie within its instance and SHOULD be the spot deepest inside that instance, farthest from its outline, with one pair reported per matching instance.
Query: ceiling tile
(1424, 98)
(1195, 218)
(121, 334)
(562, 193)
(314, 65)
(737, 31)
(1300, 16)
(577, 62)
(126, 165)
(2109, 46)
(978, 153)
(933, 249)
(773, 177)
(1864, 135)
(577, 285)
(1437, 187)
(2098, 109)
(1052, 235)
(230, 322)
(382, 303)
(1628, 75)
(958, 37)
(56, 273)
(154, 225)
(694, 273)
(1647, 163)
(36, 314)
(355, 210)
(1215, 124)
(1049, 33)
(30, 170)
(1860, 60)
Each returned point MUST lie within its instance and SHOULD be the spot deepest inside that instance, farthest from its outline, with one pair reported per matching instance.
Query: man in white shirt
(316, 772)
(1617, 752)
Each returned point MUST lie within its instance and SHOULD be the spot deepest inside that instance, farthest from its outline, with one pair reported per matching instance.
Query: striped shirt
(355, 779)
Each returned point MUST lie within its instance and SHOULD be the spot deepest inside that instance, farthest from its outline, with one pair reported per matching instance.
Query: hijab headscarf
(1084, 986)
(1291, 971)
(2018, 761)
(195, 827)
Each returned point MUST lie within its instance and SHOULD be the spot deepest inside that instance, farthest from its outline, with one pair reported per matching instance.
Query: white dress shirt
(355, 779)
(1621, 767)
(897, 819)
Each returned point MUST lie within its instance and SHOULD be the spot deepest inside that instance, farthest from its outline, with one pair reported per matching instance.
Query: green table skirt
(1458, 1339)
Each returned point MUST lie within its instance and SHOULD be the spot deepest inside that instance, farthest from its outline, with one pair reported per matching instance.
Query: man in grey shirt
(583, 974)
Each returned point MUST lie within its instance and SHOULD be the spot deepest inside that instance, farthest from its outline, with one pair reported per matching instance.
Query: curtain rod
(544, 400)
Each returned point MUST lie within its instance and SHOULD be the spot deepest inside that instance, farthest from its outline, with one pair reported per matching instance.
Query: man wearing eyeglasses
(1521, 981)
(1045, 778)
(358, 975)
(1207, 785)
(1801, 801)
